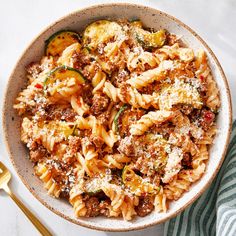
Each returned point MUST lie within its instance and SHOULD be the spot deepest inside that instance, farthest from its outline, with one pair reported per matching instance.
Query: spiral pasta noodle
(45, 175)
(207, 137)
(63, 90)
(77, 202)
(152, 75)
(213, 100)
(115, 161)
(140, 61)
(174, 51)
(98, 81)
(98, 130)
(116, 195)
(150, 119)
(160, 201)
(67, 55)
(79, 105)
(201, 157)
(128, 207)
(135, 98)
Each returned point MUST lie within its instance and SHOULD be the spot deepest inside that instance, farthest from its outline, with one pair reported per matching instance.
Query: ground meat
(32, 145)
(126, 146)
(67, 184)
(186, 109)
(87, 94)
(163, 129)
(113, 66)
(68, 115)
(61, 173)
(145, 165)
(104, 207)
(38, 154)
(69, 159)
(74, 144)
(150, 88)
(187, 160)
(80, 59)
(87, 72)
(92, 205)
(100, 103)
(145, 206)
(124, 91)
(65, 193)
(34, 69)
(120, 77)
(58, 176)
(195, 115)
(171, 39)
(202, 89)
(207, 119)
(116, 177)
(104, 118)
(85, 133)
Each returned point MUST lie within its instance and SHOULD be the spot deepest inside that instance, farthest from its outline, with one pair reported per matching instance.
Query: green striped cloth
(214, 213)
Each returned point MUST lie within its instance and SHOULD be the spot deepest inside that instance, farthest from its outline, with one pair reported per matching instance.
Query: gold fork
(5, 177)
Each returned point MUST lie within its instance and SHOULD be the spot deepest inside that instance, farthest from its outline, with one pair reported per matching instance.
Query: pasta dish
(119, 118)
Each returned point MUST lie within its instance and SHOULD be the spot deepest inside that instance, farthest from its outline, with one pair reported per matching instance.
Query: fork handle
(39, 226)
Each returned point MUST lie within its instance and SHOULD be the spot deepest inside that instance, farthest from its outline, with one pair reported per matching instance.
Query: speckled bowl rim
(195, 197)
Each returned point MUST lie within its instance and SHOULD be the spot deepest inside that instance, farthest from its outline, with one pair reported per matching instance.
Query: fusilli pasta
(150, 119)
(134, 98)
(49, 183)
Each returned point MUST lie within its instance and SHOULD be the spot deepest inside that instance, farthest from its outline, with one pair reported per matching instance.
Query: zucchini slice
(62, 73)
(100, 31)
(136, 23)
(59, 41)
(179, 93)
(136, 184)
(93, 186)
(150, 40)
(124, 118)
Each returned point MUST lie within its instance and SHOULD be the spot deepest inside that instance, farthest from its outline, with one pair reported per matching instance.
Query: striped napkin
(214, 213)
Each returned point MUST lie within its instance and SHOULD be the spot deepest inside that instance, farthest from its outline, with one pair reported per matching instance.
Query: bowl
(77, 21)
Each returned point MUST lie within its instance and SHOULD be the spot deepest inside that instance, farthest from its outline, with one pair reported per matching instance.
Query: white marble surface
(22, 20)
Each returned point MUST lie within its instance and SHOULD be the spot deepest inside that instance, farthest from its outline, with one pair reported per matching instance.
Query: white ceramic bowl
(77, 21)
